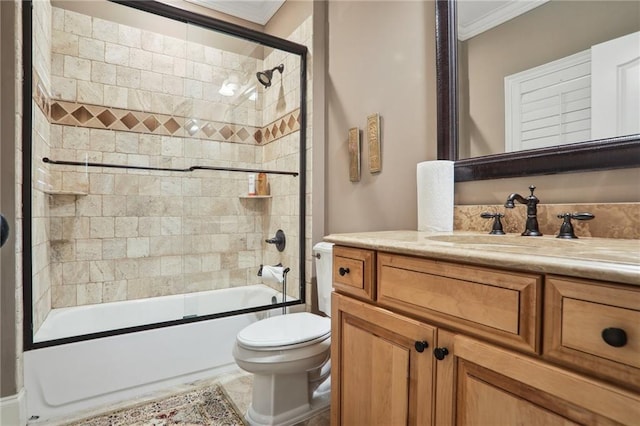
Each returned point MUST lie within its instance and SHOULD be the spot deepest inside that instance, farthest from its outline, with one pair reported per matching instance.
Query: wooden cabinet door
(496, 386)
(379, 377)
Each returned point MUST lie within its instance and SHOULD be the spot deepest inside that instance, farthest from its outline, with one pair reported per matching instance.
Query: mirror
(459, 119)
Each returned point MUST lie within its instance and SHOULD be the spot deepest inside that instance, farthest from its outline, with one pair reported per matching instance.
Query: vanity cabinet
(442, 343)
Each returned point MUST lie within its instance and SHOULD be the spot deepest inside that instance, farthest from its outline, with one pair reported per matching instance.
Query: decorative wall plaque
(373, 140)
(354, 154)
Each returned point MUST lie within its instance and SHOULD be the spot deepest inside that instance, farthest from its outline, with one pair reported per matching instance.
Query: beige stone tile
(62, 251)
(150, 144)
(63, 88)
(88, 249)
(171, 265)
(195, 51)
(105, 30)
(75, 138)
(126, 269)
(162, 64)
(90, 293)
(152, 41)
(75, 227)
(102, 140)
(193, 89)
(137, 247)
(126, 226)
(174, 47)
(161, 103)
(139, 99)
(166, 245)
(101, 183)
(89, 48)
(150, 266)
(102, 72)
(62, 205)
(129, 36)
(128, 77)
(127, 142)
(114, 205)
(91, 93)
(192, 264)
(114, 291)
(102, 270)
(140, 59)
(203, 72)
(57, 18)
(115, 96)
(64, 43)
(149, 185)
(116, 54)
(77, 68)
(149, 226)
(212, 56)
(126, 185)
(173, 85)
(102, 227)
(75, 273)
(114, 248)
(63, 296)
(77, 23)
(179, 67)
(171, 185)
(171, 225)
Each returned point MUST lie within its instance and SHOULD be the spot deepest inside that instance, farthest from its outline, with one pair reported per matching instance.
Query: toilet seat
(285, 332)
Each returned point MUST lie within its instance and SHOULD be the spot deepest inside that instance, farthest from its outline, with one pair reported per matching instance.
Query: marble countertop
(607, 259)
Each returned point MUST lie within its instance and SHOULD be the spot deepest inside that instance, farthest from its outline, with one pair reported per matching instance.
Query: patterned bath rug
(208, 406)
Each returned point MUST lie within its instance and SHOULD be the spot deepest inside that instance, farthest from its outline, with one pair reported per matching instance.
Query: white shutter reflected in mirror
(549, 105)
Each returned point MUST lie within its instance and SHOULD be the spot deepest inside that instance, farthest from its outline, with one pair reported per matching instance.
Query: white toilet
(289, 357)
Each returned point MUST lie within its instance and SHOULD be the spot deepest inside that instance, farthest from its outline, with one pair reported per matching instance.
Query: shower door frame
(186, 17)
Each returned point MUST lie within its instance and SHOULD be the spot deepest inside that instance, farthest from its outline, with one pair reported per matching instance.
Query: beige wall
(381, 59)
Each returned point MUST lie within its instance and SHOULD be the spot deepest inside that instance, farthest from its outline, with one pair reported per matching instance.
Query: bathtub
(71, 378)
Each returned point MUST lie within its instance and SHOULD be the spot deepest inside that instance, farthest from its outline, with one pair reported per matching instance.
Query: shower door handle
(4, 230)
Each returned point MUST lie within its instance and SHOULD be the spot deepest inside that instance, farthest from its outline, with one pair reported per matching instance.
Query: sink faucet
(531, 226)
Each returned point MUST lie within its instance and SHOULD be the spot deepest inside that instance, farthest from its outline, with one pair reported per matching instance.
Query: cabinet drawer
(576, 314)
(497, 305)
(354, 272)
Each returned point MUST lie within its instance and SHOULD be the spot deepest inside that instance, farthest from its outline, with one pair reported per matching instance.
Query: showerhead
(264, 77)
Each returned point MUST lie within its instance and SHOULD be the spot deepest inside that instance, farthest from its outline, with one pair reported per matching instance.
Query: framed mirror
(456, 127)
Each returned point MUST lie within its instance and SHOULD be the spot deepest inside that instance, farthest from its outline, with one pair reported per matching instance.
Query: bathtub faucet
(531, 226)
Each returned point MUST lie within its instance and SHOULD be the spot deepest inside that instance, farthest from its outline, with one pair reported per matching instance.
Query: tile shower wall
(117, 234)
(41, 264)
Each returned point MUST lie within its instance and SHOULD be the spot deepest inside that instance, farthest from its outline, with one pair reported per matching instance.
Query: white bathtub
(70, 378)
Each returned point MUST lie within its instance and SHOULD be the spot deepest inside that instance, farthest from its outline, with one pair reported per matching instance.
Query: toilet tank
(323, 254)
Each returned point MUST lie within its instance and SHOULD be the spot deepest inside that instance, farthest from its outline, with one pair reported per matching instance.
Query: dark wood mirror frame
(602, 154)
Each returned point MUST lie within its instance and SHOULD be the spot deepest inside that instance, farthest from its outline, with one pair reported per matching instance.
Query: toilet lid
(285, 330)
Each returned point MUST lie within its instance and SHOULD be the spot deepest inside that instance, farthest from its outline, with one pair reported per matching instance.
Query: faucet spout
(531, 226)
(514, 197)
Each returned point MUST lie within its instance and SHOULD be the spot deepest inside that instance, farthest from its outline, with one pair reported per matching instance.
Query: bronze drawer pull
(615, 337)
(343, 271)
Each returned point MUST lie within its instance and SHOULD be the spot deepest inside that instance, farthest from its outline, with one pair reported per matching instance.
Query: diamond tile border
(103, 117)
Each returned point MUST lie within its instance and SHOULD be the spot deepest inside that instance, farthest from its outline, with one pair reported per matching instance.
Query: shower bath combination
(264, 77)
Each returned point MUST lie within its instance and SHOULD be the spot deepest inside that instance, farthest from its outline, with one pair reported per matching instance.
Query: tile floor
(237, 384)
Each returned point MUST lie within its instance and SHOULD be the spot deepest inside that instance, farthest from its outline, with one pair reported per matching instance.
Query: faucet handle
(497, 224)
(566, 229)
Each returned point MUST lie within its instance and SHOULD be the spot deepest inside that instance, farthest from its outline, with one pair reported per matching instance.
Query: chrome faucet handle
(497, 224)
(566, 229)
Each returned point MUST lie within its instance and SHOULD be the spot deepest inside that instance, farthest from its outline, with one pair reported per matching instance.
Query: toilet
(289, 357)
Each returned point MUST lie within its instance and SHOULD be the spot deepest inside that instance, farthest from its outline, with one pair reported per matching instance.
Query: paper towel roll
(435, 196)
(273, 274)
